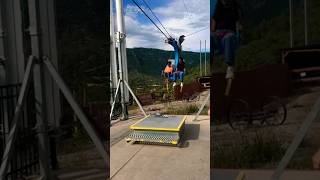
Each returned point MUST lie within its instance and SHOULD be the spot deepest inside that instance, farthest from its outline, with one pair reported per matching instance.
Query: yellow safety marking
(158, 129)
(131, 127)
(174, 142)
(159, 141)
(183, 120)
(241, 176)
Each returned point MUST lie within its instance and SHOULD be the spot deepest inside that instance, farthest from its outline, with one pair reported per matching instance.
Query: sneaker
(230, 73)
(181, 84)
(174, 84)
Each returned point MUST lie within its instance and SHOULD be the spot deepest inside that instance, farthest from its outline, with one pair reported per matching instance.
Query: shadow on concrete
(225, 174)
(190, 132)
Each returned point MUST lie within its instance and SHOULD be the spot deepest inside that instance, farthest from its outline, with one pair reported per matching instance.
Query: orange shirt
(168, 69)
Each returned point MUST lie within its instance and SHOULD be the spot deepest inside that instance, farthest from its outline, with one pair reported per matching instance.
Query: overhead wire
(187, 9)
(155, 16)
(197, 32)
(149, 18)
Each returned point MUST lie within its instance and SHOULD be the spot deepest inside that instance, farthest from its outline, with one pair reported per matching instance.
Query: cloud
(176, 18)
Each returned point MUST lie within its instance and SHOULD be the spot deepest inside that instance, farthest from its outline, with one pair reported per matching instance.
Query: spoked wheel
(239, 114)
(275, 112)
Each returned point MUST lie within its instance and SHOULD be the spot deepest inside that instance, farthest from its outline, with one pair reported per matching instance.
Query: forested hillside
(261, 42)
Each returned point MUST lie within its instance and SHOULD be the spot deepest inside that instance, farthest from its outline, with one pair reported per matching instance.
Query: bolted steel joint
(120, 36)
(38, 60)
(33, 31)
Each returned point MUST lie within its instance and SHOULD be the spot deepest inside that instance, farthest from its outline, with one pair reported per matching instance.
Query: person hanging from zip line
(180, 71)
(168, 74)
(168, 70)
(225, 26)
(177, 45)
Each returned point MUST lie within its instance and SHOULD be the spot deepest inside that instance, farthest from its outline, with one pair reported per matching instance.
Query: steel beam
(40, 96)
(12, 21)
(82, 117)
(113, 59)
(202, 107)
(17, 113)
(2, 50)
(122, 57)
(49, 48)
(135, 98)
(114, 101)
(123, 47)
(311, 117)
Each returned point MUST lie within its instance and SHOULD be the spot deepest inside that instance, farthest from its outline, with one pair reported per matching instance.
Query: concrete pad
(120, 129)
(82, 174)
(191, 161)
(231, 174)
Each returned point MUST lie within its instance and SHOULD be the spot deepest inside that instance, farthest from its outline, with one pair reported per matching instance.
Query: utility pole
(200, 61)
(122, 58)
(205, 57)
(113, 59)
(290, 20)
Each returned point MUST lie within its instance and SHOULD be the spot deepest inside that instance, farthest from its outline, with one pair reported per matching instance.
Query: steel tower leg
(113, 61)
(40, 97)
(122, 57)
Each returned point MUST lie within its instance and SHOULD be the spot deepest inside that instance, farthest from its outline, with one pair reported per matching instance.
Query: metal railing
(26, 160)
(38, 66)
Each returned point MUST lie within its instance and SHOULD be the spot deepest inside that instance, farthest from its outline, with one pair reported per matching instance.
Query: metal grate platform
(154, 136)
(157, 129)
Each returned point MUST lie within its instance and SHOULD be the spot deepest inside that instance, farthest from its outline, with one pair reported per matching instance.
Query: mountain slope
(152, 61)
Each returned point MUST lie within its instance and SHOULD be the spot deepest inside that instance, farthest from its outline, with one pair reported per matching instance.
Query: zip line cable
(187, 9)
(155, 16)
(185, 6)
(149, 18)
(197, 31)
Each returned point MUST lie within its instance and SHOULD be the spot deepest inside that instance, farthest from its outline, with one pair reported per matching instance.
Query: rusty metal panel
(188, 90)
(251, 86)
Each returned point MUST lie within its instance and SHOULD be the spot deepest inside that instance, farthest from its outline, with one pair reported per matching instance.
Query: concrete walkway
(226, 174)
(155, 162)
(83, 174)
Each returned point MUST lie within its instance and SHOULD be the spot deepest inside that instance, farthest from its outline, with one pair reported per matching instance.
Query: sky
(179, 17)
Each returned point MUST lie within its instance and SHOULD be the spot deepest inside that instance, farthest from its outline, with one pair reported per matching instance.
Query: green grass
(259, 151)
(183, 110)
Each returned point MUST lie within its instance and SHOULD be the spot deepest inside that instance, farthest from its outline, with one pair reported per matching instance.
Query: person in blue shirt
(225, 23)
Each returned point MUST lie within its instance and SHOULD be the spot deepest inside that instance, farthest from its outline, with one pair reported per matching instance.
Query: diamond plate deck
(157, 129)
(170, 123)
(154, 136)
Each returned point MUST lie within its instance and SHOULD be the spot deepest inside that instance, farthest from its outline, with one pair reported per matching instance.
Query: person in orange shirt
(168, 70)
